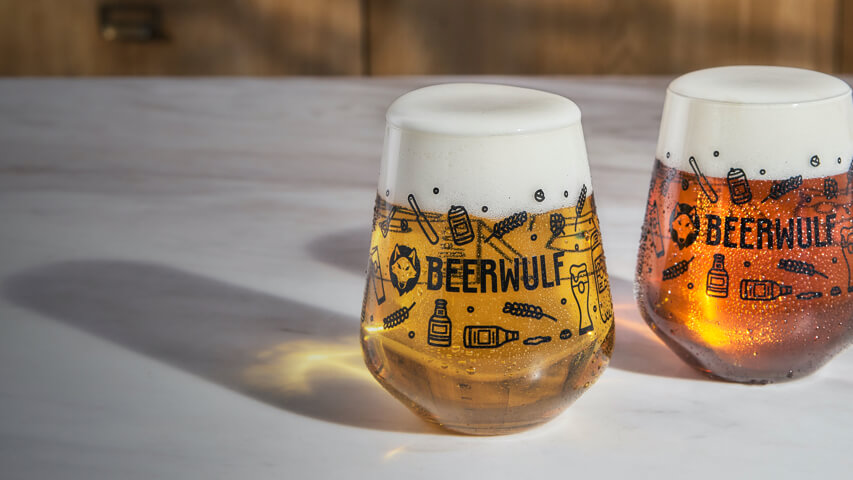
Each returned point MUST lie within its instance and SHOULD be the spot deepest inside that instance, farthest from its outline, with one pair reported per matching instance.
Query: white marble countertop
(181, 270)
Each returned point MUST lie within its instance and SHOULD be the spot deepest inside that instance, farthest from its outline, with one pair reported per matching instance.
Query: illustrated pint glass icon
(487, 307)
(743, 268)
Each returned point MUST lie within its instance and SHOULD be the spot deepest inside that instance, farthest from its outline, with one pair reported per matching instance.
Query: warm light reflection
(293, 366)
(393, 452)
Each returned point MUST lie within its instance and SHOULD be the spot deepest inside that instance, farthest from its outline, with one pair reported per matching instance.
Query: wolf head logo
(405, 268)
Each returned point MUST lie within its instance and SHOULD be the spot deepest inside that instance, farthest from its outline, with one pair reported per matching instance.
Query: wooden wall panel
(205, 37)
(598, 36)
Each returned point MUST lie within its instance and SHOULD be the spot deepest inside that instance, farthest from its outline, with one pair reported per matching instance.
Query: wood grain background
(391, 37)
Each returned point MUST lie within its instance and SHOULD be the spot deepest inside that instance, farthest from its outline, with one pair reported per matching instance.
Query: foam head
(494, 149)
(776, 120)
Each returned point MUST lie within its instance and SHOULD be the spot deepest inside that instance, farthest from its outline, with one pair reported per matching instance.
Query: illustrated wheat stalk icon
(507, 225)
(525, 310)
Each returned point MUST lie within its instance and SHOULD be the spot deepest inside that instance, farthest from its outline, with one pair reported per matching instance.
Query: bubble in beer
(411, 334)
(485, 209)
(470, 309)
(716, 153)
(435, 190)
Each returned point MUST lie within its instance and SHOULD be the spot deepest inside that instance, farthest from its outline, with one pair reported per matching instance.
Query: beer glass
(487, 307)
(744, 267)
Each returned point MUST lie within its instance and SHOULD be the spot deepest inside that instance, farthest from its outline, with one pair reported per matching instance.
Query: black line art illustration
(762, 290)
(717, 284)
(375, 275)
(580, 290)
(654, 229)
(797, 266)
(557, 224)
(814, 161)
(536, 340)
(507, 225)
(525, 310)
(487, 336)
(440, 327)
(579, 206)
(684, 225)
(676, 269)
(405, 268)
(460, 225)
(847, 250)
(830, 188)
(779, 189)
(397, 317)
(665, 179)
(738, 186)
(501, 246)
(571, 237)
(835, 291)
(423, 222)
(809, 295)
(539, 195)
(565, 334)
(706, 187)
(390, 224)
(602, 281)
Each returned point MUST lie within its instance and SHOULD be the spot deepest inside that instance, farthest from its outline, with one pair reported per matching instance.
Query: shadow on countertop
(274, 350)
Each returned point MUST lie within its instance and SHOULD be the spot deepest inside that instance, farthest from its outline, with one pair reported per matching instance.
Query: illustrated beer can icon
(460, 225)
(718, 278)
(738, 186)
(439, 326)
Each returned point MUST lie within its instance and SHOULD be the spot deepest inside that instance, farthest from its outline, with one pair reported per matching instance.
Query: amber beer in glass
(744, 267)
(487, 306)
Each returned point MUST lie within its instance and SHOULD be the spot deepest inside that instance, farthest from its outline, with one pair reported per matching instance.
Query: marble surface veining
(181, 270)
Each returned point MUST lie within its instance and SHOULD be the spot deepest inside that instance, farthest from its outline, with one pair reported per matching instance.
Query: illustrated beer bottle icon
(732, 179)
(439, 326)
(718, 278)
(762, 289)
(497, 311)
(487, 337)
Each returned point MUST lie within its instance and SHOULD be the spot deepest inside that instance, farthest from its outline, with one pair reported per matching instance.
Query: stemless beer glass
(745, 266)
(487, 307)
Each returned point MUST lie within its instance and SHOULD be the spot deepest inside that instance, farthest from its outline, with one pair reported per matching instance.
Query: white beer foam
(483, 145)
(776, 120)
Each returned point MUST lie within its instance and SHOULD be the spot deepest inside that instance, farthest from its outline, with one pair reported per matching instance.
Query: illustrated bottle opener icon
(738, 186)
(718, 278)
(580, 290)
(704, 184)
(762, 290)
(491, 336)
(847, 250)
(439, 326)
(376, 276)
(460, 225)
(654, 225)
